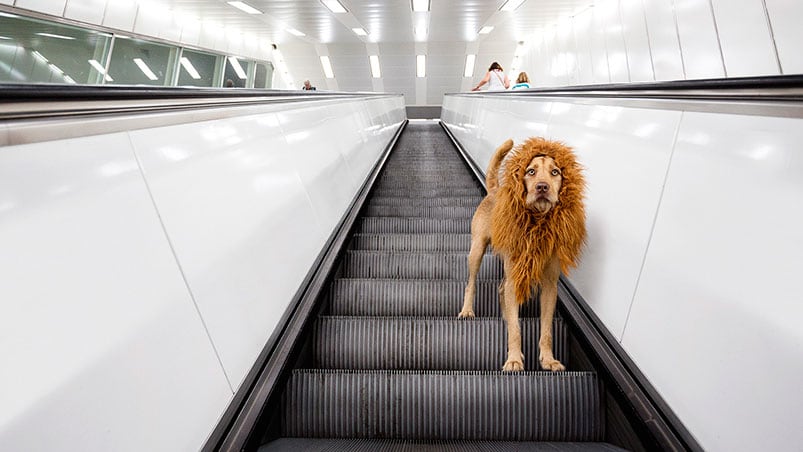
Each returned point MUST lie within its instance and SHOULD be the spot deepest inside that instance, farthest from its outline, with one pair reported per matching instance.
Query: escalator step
(372, 264)
(432, 298)
(443, 405)
(398, 445)
(401, 225)
(420, 211)
(465, 201)
(412, 242)
(397, 343)
(427, 192)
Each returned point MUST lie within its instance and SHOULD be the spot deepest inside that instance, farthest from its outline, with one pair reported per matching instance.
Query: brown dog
(534, 218)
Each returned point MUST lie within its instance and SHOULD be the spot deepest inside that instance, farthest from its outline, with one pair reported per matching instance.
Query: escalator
(385, 364)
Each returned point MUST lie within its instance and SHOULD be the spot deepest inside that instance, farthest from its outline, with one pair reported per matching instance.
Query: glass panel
(197, 68)
(137, 62)
(264, 75)
(235, 74)
(35, 51)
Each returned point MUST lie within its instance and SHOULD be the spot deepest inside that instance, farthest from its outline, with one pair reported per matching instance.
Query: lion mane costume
(528, 237)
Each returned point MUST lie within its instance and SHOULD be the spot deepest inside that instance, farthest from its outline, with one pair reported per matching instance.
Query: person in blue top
(522, 82)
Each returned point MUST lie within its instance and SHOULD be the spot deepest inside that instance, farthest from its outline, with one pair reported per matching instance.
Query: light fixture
(327, 67)
(359, 31)
(375, 66)
(469, 71)
(4, 37)
(420, 6)
(237, 68)
(40, 57)
(51, 35)
(421, 31)
(2, 14)
(56, 69)
(69, 79)
(511, 5)
(187, 65)
(145, 69)
(334, 6)
(295, 32)
(421, 65)
(244, 7)
(485, 30)
(98, 67)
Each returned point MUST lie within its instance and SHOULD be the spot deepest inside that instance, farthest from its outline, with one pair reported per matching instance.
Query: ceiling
(450, 33)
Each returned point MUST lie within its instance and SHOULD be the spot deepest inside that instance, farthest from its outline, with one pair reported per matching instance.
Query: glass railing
(39, 51)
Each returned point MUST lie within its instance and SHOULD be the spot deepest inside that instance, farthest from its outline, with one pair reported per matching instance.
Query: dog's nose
(542, 187)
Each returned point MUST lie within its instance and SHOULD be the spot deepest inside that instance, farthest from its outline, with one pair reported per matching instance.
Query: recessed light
(235, 63)
(375, 66)
(485, 30)
(327, 67)
(293, 31)
(187, 65)
(469, 71)
(51, 35)
(145, 69)
(421, 66)
(243, 7)
(334, 6)
(359, 31)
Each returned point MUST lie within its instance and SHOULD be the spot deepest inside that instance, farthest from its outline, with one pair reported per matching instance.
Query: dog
(534, 218)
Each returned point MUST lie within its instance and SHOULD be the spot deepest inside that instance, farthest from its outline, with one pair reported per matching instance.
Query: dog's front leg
(510, 312)
(548, 301)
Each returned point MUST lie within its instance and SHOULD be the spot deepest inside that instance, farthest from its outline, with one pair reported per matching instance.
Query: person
(229, 83)
(307, 86)
(522, 81)
(495, 78)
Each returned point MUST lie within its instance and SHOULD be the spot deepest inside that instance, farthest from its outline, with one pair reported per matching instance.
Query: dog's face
(542, 182)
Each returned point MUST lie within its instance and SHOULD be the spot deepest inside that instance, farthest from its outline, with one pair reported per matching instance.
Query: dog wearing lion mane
(534, 218)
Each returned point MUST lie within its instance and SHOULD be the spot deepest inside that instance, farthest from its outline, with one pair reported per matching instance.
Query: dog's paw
(552, 365)
(465, 314)
(514, 365)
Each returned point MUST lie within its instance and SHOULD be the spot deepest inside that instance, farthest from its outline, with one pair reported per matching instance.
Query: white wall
(143, 271)
(694, 241)
(624, 41)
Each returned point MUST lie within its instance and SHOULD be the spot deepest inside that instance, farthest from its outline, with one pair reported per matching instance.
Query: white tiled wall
(694, 249)
(659, 40)
(142, 272)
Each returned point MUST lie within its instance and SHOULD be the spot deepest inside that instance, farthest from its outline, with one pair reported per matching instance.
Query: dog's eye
(531, 171)
(555, 172)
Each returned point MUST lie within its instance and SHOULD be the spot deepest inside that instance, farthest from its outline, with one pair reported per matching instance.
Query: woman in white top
(495, 78)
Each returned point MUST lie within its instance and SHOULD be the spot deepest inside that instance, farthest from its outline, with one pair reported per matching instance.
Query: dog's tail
(492, 175)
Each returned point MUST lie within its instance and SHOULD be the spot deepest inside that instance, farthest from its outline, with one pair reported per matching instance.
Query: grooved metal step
(372, 264)
(441, 405)
(402, 225)
(397, 343)
(464, 212)
(434, 298)
(412, 242)
(398, 445)
(411, 192)
(470, 201)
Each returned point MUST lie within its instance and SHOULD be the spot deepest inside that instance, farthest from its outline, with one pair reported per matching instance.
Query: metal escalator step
(470, 201)
(397, 343)
(420, 211)
(372, 264)
(386, 297)
(427, 192)
(443, 405)
(412, 242)
(402, 225)
(400, 445)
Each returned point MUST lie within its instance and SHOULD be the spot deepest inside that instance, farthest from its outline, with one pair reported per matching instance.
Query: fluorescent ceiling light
(420, 5)
(187, 65)
(55, 68)
(51, 35)
(2, 14)
(469, 71)
(237, 68)
(40, 57)
(511, 5)
(4, 37)
(334, 6)
(243, 7)
(145, 69)
(359, 31)
(485, 30)
(421, 66)
(293, 31)
(101, 69)
(69, 79)
(421, 31)
(375, 66)
(327, 67)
